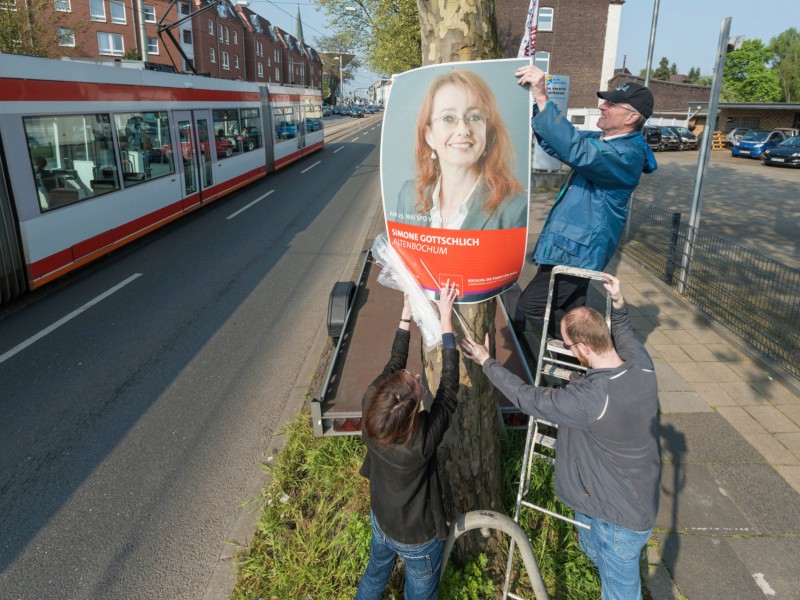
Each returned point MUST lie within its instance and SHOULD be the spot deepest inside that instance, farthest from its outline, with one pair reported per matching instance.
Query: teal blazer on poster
(512, 212)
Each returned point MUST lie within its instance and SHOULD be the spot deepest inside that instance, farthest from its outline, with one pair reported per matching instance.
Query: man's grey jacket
(607, 455)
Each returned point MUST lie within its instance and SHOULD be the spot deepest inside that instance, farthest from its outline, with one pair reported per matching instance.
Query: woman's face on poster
(457, 128)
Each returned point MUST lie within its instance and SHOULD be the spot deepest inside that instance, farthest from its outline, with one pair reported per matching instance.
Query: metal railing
(753, 296)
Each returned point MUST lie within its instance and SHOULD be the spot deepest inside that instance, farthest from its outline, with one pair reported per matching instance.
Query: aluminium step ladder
(553, 367)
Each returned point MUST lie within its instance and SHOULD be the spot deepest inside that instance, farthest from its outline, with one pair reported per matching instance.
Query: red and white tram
(92, 156)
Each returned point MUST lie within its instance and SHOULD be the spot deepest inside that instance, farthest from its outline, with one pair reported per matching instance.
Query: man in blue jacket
(586, 221)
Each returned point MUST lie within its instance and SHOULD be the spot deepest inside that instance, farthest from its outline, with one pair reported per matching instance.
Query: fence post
(673, 247)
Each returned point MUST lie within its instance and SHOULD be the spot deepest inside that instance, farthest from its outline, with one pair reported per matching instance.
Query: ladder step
(556, 345)
(557, 372)
(545, 440)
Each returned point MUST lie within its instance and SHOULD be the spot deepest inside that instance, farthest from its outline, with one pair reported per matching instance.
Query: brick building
(219, 38)
(574, 37)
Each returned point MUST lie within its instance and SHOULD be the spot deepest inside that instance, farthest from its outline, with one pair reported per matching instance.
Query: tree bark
(457, 30)
(469, 456)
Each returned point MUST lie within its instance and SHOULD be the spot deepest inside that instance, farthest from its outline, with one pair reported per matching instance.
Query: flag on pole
(528, 45)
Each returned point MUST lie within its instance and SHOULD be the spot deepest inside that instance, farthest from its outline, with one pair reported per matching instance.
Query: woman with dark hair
(463, 154)
(406, 507)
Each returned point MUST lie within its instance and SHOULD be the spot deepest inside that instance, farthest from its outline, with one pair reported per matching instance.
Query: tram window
(144, 146)
(227, 131)
(251, 134)
(313, 118)
(285, 123)
(69, 156)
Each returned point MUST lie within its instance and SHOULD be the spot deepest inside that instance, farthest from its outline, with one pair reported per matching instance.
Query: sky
(687, 31)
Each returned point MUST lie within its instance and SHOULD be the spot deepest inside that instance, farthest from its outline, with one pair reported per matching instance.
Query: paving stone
(699, 353)
(771, 448)
(775, 392)
(714, 395)
(723, 352)
(772, 419)
(772, 561)
(706, 567)
(790, 410)
(709, 337)
(683, 402)
(741, 420)
(705, 372)
(791, 441)
(657, 337)
(762, 494)
(669, 352)
(679, 336)
(669, 380)
(791, 474)
(743, 393)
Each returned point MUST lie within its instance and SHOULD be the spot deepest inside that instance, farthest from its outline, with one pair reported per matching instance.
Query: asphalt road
(140, 395)
(755, 206)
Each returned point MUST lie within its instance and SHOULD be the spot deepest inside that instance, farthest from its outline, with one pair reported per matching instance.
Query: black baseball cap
(638, 96)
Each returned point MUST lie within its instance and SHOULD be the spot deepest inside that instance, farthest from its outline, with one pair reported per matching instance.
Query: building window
(545, 21)
(66, 37)
(110, 43)
(97, 10)
(236, 60)
(149, 14)
(225, 61)
(213, 55)
(210, 27)
(277, 74)
(63, 6)
(220, 35)
(542, 60)
(187, 37)
(227, 36)
(260, 69)
(235, 38)
(152, 45)
(117, 11)
(184, 8)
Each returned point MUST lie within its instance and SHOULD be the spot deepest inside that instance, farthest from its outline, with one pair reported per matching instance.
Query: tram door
(301, 126)
(195, 150)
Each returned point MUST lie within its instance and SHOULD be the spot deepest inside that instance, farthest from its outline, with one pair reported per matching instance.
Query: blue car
(753, 143)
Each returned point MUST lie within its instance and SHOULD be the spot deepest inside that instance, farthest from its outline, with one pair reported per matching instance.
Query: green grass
(312, 540)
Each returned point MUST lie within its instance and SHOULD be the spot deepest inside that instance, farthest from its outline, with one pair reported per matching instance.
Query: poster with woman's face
(455, 156)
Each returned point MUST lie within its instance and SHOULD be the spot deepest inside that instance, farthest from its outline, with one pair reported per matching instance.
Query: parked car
(785, 154)
(686, 139)
(652, 136)
(753, 143)
(734, 135)
(357, 111)
(326, 110)
(669, 138)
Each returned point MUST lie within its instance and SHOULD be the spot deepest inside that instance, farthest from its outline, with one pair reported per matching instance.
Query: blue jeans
(422, 561)
(615, 552)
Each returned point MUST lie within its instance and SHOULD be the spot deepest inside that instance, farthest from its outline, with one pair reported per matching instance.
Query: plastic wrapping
(395, 275)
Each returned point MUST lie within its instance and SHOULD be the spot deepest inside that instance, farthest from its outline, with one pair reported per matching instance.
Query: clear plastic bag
(396, 275)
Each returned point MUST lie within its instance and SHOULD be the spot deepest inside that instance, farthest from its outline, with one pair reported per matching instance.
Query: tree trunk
(469, 457)
(456, 30)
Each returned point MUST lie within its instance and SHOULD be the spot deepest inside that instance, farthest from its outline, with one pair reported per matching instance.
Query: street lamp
(341, 78)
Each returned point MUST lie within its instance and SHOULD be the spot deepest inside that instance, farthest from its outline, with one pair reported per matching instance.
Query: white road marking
(311, 167)
(339, 148)
(244, 208)
(762, 583)
(35, 338)
(354, 139)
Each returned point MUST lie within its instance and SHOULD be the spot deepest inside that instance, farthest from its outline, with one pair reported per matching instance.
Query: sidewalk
(729, 520)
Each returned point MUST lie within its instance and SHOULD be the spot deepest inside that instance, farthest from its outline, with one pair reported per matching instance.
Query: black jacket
(404, 488)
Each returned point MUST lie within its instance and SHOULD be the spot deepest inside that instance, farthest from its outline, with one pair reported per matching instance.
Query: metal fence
(755, 297)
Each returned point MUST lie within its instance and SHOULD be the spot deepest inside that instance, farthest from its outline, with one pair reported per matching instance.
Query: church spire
(299, 31)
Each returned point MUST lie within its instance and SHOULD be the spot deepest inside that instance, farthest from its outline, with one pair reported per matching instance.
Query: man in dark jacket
(607, 457)
(586, 221)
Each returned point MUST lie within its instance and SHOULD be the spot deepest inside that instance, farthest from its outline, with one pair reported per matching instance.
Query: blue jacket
(586, 221)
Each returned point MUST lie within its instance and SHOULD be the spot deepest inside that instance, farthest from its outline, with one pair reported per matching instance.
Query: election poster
(455, 175)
